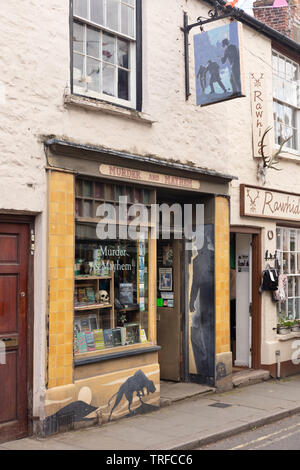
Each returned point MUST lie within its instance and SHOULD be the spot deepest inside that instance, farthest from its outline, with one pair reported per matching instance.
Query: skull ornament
(103, 297)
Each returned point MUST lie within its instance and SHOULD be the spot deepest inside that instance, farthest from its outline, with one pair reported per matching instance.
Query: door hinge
(32, 242)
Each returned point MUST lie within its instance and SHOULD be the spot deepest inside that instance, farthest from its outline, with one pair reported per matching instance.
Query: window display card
(142, 290)
(167, 255)
(77, 325)
(142, 249)
(126, 293)
(93, 319)
(141, 263)
(85, 324)
(141, 275)
(143, 336)
(160, 302)
(142, 304)
(165, 279)
(167, 295)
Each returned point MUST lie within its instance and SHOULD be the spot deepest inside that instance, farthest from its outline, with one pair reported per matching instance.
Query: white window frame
(286, 148)
(293, 277)
(85, 22)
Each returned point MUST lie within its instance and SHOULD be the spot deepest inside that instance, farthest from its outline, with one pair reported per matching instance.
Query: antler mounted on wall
(269, 161)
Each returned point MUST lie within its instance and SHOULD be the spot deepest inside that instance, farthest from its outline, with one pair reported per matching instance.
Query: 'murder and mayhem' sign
(269, 204)
(131, 174)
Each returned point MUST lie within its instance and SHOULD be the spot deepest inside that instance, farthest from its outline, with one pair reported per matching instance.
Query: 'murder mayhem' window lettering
(104, 50)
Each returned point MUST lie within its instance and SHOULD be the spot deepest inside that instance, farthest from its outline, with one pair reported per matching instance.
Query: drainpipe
(278, 364)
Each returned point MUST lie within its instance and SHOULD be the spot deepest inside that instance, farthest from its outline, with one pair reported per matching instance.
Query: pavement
(203, 418)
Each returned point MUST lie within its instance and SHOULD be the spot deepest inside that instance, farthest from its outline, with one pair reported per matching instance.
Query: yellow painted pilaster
(61, 241)
(222, 274)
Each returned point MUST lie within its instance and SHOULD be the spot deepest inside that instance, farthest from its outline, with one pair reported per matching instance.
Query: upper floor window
(104, 50)
(286, 101)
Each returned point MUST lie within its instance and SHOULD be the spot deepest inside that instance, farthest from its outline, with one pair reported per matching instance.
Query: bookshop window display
(111, 279)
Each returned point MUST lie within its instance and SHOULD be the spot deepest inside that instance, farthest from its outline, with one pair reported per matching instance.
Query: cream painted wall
(34, 76)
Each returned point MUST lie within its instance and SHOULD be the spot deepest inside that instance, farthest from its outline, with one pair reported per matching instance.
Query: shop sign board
(259, 114)
(148, 177)
(269, 203)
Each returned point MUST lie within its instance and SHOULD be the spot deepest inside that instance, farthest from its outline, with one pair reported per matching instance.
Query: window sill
(292, 155)
(115, 353)
(293, 335)
(107, 108)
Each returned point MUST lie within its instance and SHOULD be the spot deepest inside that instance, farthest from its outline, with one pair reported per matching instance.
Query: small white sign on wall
(259, 114)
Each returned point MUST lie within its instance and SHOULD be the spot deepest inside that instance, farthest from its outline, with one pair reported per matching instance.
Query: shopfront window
(288, 249)
(111, 275)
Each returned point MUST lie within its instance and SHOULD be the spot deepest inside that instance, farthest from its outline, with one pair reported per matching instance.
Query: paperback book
(108, 338)
(99, 339)
(117, 338)
(90, 342)
(90, 293)
(81, 343)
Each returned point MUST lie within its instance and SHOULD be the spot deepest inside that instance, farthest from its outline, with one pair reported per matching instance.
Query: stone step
(249, 377)
(172, 392)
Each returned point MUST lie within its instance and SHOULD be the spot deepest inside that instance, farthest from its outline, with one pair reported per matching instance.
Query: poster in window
(168, 255)
(218, 64)
(165, 279)
(126, 293)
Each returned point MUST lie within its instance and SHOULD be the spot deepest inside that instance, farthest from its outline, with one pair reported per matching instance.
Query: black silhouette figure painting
(232, 55)
(139, 384)
(214, 71)
(217, 64)
(201, 305)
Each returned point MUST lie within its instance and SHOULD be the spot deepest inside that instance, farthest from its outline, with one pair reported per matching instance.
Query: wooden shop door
(169, 317)
(14, 251)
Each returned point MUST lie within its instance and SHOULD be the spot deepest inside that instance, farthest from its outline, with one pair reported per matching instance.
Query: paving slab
(244, 378)
(171, 392)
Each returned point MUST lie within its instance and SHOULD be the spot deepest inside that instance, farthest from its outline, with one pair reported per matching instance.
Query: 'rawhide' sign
(259, 113)
(269, 204)
(131, 174)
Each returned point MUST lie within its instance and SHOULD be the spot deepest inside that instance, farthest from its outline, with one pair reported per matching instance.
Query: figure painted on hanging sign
(232, 55)
(201, 75)
(202, 306)
(214, 71)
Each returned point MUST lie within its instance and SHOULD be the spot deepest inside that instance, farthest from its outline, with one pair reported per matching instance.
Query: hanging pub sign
(218, 64)
(259, 113)
(269, 203)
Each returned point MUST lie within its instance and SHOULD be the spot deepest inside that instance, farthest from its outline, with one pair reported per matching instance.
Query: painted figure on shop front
(202, 304)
